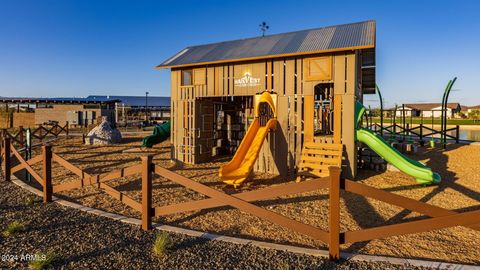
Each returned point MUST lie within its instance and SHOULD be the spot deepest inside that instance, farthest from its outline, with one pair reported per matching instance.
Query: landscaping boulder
(104, 133)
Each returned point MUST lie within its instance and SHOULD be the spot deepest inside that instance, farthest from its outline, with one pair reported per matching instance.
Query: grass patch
(13, 228)
(162, 243)
(42, 261)
(31, 200)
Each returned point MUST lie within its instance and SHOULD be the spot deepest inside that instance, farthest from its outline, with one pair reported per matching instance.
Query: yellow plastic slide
(238, 169)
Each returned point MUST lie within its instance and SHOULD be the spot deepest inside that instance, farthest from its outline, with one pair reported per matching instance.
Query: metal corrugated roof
(332, 38)
(56, 100)
(137, 101)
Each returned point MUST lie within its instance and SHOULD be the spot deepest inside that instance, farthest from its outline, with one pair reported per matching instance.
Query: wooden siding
(192, 112)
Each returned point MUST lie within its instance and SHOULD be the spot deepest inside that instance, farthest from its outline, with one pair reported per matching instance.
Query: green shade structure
(160, 134)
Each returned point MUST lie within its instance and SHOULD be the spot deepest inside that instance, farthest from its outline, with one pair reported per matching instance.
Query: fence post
(8, 163)
(66, 127)
(146, 192)
(421, 132)
(334, 214)
(47, 173)
(457, 134)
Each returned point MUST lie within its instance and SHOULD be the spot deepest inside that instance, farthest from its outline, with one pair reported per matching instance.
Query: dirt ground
(459, 166)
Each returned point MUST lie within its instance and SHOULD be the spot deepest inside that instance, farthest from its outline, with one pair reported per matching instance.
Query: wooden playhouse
(315, 77)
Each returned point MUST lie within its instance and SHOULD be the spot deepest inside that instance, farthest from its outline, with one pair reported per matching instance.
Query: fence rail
(40, 132)
(419, 131)
(434, 217)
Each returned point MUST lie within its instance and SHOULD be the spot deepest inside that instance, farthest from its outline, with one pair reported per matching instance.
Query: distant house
(428, 109)
(407, 111)
(473, 108)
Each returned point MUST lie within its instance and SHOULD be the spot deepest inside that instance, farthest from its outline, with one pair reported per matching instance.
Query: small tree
(474, 115)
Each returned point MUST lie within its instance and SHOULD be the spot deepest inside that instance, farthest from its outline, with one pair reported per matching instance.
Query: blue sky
(77, 48)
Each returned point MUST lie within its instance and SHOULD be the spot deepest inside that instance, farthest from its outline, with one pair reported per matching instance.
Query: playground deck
(459, 189)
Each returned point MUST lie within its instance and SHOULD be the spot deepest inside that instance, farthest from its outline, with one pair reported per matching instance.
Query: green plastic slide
(160, 134)
(422, 173)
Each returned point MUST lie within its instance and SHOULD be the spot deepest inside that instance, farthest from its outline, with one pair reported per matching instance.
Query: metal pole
(28, 150)
(146, 105)
(443, 122)
(381, 109)
(403, 120)
(47, 173)
(446, 103)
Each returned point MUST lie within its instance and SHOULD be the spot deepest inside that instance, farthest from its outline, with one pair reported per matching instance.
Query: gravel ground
(84, 241)
(459, 190)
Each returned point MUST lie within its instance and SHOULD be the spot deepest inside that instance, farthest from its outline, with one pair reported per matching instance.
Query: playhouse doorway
(222, 133)
(323, 109)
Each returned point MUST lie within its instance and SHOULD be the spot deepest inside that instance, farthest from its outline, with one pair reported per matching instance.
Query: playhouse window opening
(187, 77)
(323, 109)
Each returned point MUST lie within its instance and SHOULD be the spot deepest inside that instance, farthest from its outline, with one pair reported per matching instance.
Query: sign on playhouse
(247, 80)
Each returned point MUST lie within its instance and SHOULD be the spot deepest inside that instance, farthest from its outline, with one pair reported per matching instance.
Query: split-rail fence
(435, 217)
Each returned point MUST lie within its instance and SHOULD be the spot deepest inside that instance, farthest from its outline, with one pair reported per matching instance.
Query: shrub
(13, 228)
(162, 244)
(42, 261)
(31, 200)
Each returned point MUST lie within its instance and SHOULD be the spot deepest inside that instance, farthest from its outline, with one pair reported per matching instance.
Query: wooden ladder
(317, 157)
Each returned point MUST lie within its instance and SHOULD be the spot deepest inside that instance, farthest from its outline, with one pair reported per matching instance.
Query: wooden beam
(249, 196)
(22, 161)
(459, 219)
(244, 206)
(270, 57)
(47, 173)
(121, 197)
(400, 201)
(147, 192)
(8, 161)
(334, 214)
(30, 162)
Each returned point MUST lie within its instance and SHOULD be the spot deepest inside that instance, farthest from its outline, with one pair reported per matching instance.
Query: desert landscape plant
(13, 228)
(31, 200)
(42, 261)
(162, 244)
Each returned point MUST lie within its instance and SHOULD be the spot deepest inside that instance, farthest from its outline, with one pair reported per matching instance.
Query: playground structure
(213, 90)
(239, 168)
(160, 134)
(292, 114)
(404, 129)
(437, 218)
(308, 97)
(422, 173)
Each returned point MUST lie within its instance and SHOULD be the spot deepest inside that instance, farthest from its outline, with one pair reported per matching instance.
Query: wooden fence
(40, 133)
(439, 218)
(419, 131)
